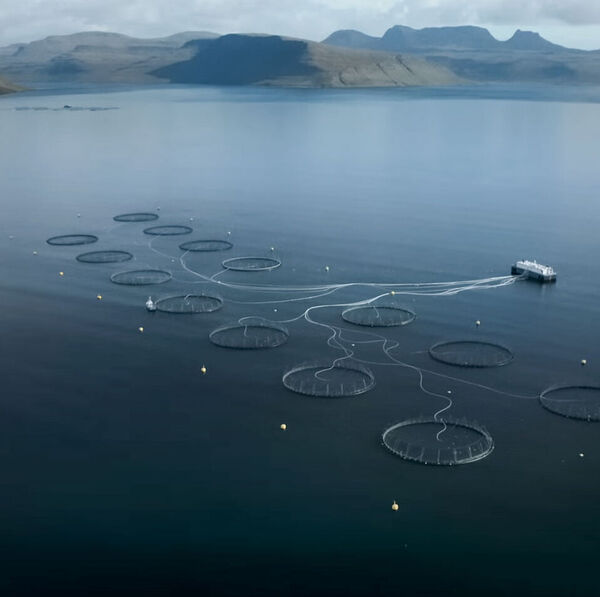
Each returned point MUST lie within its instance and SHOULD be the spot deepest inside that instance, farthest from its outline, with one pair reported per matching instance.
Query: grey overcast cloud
(574, 23)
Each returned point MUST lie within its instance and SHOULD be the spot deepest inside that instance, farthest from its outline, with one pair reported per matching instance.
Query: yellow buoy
(584, 361)
(283, 426)
(395, 506)
(141, 329)
(99, 297)
(393, 292)
(61, 273)
(203, 370)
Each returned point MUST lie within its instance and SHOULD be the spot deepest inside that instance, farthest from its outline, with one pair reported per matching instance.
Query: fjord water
(125, 470)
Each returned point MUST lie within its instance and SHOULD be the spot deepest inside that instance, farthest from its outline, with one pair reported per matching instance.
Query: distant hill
(201, 57)
(95, 56)
(402, 56)
(473, 53)
(274, 60)
(406, 39)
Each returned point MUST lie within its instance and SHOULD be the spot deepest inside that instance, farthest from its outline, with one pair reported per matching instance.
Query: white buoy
(35, 252)
(326, 268)
(581, 454)
(283, 427)
(61, 273)
(150, 304)
(141, 330)
(78, 215)
(395, 506)
(584, 362)
(203, 370)
(478, 323)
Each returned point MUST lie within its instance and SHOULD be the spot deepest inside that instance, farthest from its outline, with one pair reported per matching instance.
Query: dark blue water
(125, 470)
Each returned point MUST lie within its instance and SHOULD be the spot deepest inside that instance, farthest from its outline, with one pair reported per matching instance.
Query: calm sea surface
(125, 470)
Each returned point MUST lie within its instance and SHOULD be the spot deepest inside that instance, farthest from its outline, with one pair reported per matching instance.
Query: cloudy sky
(575, 23)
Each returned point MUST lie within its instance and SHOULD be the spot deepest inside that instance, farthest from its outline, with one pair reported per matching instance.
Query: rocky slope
(274, 60)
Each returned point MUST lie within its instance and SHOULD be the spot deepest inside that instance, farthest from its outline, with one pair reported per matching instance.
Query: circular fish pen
(471, 353)
(383, 315)
(141, 277)
(251, 264)
(252, 334)
(70, 240)
(168, 230)
(136, 217)
(575, 402)
(104, 257)
(189, 304)
(205, 246)
(441, 442)
(329, 380)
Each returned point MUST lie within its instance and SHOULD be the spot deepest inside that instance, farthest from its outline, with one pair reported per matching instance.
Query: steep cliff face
(274, 60)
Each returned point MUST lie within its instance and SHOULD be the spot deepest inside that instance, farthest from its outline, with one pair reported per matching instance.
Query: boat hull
(517, 271)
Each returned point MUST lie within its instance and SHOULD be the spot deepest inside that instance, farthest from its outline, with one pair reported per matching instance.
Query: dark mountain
(473, 53)
(350, 38)
(274, 60)
(95, 56)
(531, 41)
(406, 39)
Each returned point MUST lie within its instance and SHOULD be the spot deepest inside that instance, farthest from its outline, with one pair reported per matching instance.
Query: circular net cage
(329, 380)
(104, 257)
(68, 240)
(136, 217)
(189, 304)
(251, 264)
(206, 246)
(168, 230)
(141, 277)
(471, 353)
(381, 315)
(442, 442)
(250, 334)
(575, 402)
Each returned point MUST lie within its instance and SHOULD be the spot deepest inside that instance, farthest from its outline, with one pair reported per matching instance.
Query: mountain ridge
(466, 37)
(205, 58)
(473, 53)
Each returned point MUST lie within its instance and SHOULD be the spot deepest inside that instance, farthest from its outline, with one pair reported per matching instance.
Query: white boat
(150, 304)
(534, 270)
